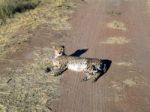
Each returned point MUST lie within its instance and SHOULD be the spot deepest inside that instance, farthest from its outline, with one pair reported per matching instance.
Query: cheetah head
(59, 50)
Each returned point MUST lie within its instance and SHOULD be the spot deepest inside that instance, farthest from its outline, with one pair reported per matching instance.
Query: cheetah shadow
(79, 52)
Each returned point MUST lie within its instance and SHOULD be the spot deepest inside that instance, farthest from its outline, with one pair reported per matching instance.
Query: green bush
(9, 7)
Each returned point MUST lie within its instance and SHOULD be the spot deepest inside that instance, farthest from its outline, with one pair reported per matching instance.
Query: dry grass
(28, 88)
(25, 87)
(148, 4)
(124, 64)
(148, 7)
(116, 40)
(118, 25)
(2, 108)
(53, 12)
(130, 82)
(9, 7)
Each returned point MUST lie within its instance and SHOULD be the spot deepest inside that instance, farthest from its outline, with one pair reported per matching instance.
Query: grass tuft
(116, 40)
(53, 12)
(117, 25)
(9, 7)
(29, 88)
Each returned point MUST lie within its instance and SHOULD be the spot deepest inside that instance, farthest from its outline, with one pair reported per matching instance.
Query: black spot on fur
(48, 69)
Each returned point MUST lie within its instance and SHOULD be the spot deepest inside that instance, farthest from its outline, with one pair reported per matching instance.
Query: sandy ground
(117, 30)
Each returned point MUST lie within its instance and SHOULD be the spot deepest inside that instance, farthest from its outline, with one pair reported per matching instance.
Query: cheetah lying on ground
(90, 66)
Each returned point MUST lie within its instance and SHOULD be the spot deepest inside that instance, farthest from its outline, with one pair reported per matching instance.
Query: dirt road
(117, 30)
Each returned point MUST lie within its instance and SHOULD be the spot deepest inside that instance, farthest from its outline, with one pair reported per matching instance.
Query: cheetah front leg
(55, 70)
(60, 70)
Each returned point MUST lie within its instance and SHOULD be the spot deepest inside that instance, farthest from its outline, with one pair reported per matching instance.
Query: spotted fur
(90, 66)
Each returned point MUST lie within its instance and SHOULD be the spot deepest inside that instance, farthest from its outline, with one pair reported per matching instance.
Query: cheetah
(91, 67)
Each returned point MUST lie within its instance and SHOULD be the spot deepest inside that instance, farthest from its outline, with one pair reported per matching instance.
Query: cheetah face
(59, 50)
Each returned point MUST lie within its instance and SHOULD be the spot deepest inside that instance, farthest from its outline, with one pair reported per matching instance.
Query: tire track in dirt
(113, 92)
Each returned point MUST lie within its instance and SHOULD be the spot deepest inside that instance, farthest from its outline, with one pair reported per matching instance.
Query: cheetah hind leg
(60, 70)
(90, 72)
(97, 76)
(99, 72)
(87, 76)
